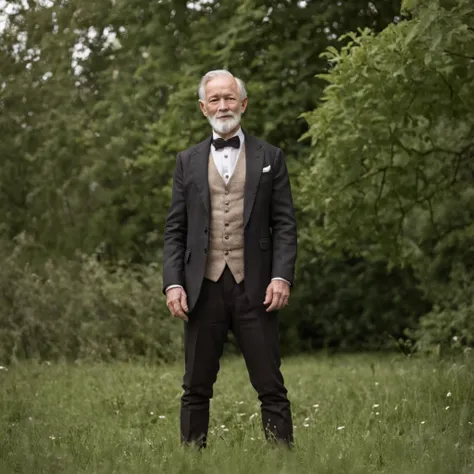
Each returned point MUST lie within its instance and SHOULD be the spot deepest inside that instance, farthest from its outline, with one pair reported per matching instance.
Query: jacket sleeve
(283, 222)
(175, 232)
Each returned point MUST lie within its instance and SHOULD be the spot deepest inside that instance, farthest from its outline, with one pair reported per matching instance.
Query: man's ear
(203, 107)
(244, 105)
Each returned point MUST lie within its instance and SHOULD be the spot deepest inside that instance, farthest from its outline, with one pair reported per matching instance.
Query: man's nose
(223, 104)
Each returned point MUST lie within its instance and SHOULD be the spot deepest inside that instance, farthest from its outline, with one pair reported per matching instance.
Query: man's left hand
(278, 292)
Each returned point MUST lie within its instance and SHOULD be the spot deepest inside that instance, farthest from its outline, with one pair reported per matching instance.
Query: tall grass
(352, 414)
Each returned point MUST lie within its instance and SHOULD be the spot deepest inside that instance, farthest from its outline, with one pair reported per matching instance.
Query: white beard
(225, 126)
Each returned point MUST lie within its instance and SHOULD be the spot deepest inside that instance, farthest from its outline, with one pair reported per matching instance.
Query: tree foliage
(392, 169)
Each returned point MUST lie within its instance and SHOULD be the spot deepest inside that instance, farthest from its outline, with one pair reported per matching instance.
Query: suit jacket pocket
(265, 243)
(187, 255)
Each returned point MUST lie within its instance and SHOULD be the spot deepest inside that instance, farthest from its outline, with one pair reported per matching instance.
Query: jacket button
(205, 231)
(226, 191)
(226, 252)
(226, 237)
(205, 250)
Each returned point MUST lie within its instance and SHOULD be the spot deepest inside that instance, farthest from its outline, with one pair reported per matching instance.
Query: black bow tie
(221, 143)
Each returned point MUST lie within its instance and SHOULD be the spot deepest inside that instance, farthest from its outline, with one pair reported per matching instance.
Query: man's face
(222, 105)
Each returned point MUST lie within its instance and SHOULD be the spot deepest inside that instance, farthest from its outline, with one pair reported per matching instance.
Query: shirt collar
(239, 133)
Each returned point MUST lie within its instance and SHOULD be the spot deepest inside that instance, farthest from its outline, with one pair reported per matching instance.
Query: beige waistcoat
(226, 240)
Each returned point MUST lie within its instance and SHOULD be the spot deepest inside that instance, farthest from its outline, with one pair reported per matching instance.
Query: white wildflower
(225, 429)
(447, 408)
(423, 422)
(3, 368)
(375, 405)
(339, 428)
(252, 416)
(316, 405)
(222, 426)
(151, 413)
(305, 425)
(162, 417)
(306, 419)
(448, 394)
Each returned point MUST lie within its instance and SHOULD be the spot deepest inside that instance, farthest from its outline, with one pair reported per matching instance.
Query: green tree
(392, 168)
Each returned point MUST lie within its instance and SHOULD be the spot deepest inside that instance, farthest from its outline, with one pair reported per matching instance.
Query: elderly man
(229, 258)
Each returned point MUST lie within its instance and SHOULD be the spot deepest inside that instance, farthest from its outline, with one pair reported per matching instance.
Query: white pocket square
(266, 169)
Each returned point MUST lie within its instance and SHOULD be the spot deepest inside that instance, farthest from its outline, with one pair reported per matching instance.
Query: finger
(268, 294)
(184, 301)
(179, 314)
(275, 301)
(182, 316)
(172, 305)
(177, 308)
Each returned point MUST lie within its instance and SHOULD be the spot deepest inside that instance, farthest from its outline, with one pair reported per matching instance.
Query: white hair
(219, 72)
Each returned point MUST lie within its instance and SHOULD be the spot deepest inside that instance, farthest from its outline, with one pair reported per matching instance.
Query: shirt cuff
(282, 279)
(172, 286)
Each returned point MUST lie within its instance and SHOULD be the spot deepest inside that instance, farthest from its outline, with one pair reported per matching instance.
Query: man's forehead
(220, 83)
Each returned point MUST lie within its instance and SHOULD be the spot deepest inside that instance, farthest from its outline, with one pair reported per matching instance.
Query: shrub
(83, 309)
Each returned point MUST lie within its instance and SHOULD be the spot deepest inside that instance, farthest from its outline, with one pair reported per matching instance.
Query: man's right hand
(176, 300)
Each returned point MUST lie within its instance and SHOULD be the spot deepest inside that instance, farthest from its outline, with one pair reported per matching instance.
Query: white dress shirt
(225, 160)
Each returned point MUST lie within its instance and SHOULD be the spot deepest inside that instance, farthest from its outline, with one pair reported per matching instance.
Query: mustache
(228, 114)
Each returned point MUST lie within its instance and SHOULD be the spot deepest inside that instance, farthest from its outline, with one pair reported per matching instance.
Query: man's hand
(278, 292)
(176, 300)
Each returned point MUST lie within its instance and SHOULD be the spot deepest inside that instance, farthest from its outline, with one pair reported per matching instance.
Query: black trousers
(223, 306)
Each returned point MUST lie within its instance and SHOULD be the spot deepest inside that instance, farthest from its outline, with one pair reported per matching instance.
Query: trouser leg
(204, 337)
(256, 332)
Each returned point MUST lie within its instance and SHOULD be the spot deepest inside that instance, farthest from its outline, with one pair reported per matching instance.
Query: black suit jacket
(269, 221)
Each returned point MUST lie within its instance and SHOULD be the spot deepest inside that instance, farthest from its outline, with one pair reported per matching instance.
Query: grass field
(352, 414)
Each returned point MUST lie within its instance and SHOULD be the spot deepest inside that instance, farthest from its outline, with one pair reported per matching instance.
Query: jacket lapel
(199, 170)
(253, 169)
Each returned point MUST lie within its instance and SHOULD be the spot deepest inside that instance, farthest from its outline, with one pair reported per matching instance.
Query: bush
(83, 309)
(350, 304)
(450, 324)
(391, 173)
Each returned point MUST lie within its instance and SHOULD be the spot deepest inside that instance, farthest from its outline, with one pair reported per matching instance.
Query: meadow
(362, 413)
